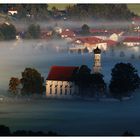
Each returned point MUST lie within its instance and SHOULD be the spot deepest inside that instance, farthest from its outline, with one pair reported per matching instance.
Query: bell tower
(97, 60)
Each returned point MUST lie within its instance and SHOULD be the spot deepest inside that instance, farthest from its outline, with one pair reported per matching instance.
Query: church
(60, 84)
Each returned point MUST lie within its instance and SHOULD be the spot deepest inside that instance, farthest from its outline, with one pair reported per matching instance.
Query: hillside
(134, 8)
(59, 6)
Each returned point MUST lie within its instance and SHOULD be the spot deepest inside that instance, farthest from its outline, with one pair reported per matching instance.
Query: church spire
(97, 60)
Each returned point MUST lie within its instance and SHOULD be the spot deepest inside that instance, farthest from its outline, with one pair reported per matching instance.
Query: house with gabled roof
(67, 34)
(60, 82)
(131, 41)
(89, 42)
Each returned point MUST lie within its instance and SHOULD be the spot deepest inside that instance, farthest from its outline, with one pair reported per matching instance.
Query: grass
(134, 8)
(59, 5)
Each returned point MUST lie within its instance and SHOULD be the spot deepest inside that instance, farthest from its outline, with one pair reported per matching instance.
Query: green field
(59, 6)
(135, 8)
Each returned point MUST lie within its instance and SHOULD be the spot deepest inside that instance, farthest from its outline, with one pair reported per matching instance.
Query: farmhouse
(131, 41)
(67, 34)
(113, 35)
(12, 11)
(90, 43)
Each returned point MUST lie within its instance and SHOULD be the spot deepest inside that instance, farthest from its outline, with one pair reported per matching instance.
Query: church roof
(62, 73)
(132, 39)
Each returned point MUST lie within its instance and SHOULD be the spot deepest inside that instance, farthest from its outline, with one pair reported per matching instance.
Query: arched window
(66, 89)
(70, 90)
(61, 90)
(55, 89)
(50, 89)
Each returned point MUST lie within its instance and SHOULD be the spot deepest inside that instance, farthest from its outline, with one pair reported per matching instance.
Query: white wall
(114, 37)
(60, 89)
(131, 44)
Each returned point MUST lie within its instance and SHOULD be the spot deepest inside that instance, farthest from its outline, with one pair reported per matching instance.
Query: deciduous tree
(124, 81)
(32, 81)
(13, 85)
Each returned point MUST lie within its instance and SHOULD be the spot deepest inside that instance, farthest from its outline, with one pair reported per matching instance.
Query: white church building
(60, 84)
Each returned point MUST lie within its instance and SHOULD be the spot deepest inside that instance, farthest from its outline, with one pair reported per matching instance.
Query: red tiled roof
(132, 39)
(68, 32)
(136, 19)
(61, 73)
(111, 42)
(111, 31)
(90, 40)
(12, 9)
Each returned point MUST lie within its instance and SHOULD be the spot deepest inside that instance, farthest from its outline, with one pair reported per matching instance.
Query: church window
(70, 90)
(50, 90)
(55, 89)
(61, 89)
(65, 91)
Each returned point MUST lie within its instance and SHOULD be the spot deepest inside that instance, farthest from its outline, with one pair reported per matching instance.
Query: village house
(59, 82)
(114, 35)
(12, 11)
(131, 41)
(67, 34)
(90, 43)
(45, 34)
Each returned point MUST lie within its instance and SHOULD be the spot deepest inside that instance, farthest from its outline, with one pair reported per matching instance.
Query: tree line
(100, 12)
(124, 81)
(5, 131)
(76, 11)
(8, 32)
(31, 82)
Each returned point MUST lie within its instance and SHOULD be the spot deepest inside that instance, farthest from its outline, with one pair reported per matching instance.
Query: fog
(66, 117)
(15, 56)
(75, 24)
(73, 117)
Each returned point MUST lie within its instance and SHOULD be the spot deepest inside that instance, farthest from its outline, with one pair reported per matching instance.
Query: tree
(85, 30)
(124, 80)
(97, 84)
(132, 56)
(13, 85)
(33, 31)
(85, 50)
(8, 31)
(4, 130)
(127, 133)
(122, 54)
(82, 79)
(37, 11)
(102, 11)
(1, 36)
(32, 81)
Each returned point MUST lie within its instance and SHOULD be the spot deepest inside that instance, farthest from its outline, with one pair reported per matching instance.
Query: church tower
(97, 60)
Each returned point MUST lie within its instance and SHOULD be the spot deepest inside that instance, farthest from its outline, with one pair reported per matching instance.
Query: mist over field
(15, 56)
(75, 24)
(66, 117)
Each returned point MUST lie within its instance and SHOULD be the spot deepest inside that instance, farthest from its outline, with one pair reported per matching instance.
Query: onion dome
(97, 51)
